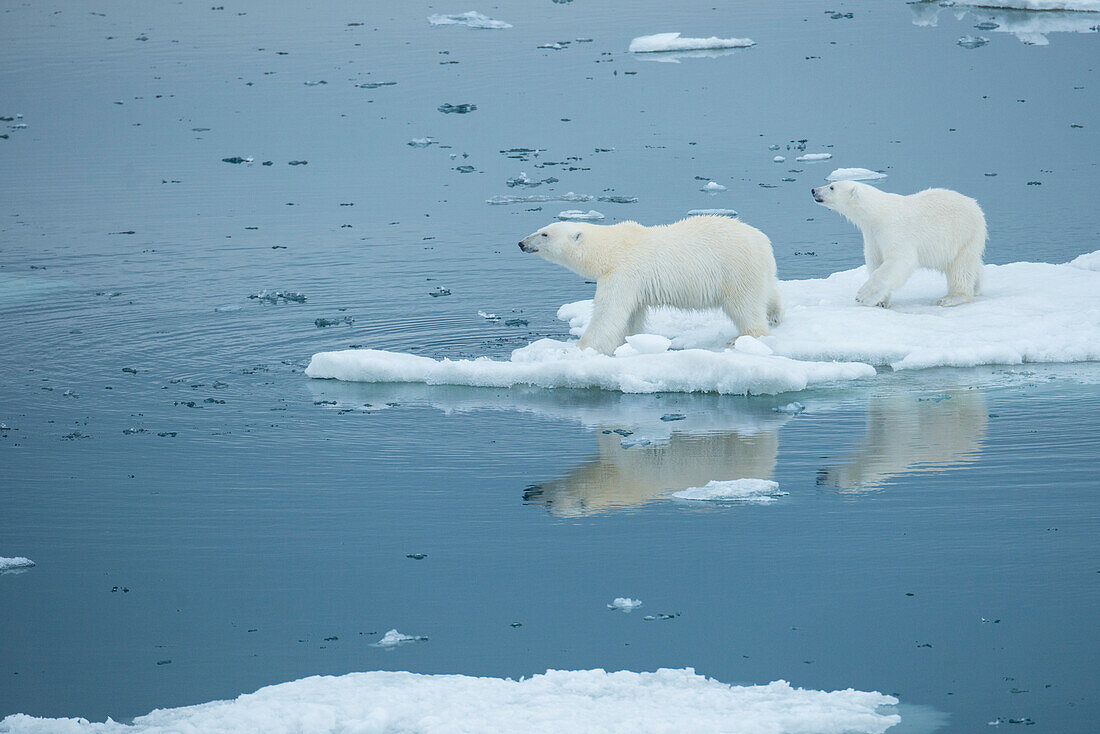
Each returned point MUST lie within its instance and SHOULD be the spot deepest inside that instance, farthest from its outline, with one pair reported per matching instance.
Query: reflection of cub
(905, 434)
(623, 478)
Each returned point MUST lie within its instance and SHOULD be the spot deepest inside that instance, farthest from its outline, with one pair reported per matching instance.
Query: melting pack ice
(736, 490)
(854, 174)
(471, 19)
(582, 701)
(673, 42)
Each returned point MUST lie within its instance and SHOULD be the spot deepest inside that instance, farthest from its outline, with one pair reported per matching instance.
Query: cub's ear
(577, 235)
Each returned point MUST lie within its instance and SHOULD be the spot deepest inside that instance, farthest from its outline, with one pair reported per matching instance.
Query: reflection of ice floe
(854, 174)
(471, 19)
(385, 701)
(1020, 18)
(906, 433)
(674, 42)
(749, 489)
(675, 57)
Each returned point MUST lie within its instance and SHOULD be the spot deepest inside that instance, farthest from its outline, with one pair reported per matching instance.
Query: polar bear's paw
(955, 299)
(872, 295)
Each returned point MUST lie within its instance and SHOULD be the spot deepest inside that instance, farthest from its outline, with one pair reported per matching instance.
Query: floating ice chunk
(552, 46)
(779, 159)
(712, 212)
(523, 180)
(625, 604)
(393, 638)
(673, 42)
(536, 198)
(383, 701)
(751, 345)
(270, 296)
(578, 215)
(643, 344)
(713, 187)
(854, 174)
(809, 157)
(421, 142)
(619, 199)
(13, 564)
(972, 41)
(488, 316)
(459, 109)
(1089, 261)
(790, 408)
(470, 19)
(735, 490)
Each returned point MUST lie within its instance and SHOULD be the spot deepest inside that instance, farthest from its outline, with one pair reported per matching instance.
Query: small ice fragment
(673, 42)
(420, 142)
(790, 408)
(814, 157)
(553, 46)
(735, 490)
(237, 159)
(577, 215)
(972, 41)
(670, 417)
(317, 83)
(461, 109)
(625, 604)
(778, 159)
(854, 174)
(489, 316)
(269, 296)
(987, 25)
(649, 343)
(751, 345)
(773, 146)
(713, 186)
(619, 199)
(393, 638)
(439, 291)
(712, 212)
(536, 198)
(11, 564)
(470, 19)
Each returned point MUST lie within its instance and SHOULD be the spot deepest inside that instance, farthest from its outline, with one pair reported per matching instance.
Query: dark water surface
(938, 541)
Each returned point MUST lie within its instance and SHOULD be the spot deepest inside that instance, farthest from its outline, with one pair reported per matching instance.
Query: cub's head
(561, 242)
(840, 196)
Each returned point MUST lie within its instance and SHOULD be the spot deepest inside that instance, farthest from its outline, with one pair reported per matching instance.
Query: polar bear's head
(841, 196)
(562, 243)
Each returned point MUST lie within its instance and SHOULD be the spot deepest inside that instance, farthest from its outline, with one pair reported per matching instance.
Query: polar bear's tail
(775, 308)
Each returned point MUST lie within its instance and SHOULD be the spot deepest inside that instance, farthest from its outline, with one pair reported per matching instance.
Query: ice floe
(579, 215)
(471, 19)
(1027, 312)
(854, 174)
(712, 212)
(581, 701)
(736, 490)
(16, 563)
(713, 187)
(393, 638)
(809, 157)
(625, 604)
(674, 42)
(536, 198)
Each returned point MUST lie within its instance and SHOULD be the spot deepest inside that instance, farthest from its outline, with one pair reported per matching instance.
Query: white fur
(936, 229)
(698, 262)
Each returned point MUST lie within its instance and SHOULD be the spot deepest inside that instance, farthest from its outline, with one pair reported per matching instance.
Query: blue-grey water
(206, 520)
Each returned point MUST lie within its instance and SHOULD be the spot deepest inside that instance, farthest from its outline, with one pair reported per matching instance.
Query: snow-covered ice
(1088, 261)
(712, 212)
(854, 174)
(735, 490)
(580, 702)
(1027, 312)
(810, 157)
(625, 604)
(472, 19)
(579, 215)
(779, 159)
(11, 564)
(674, 42)
(393, 638)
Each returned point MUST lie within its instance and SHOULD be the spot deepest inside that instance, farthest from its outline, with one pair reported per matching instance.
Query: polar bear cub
(937, 229)
(698, 262)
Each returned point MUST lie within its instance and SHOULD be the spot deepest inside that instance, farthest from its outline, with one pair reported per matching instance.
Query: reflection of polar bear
(698, 262)
(906, 434)
(935, 228)
(622, 478)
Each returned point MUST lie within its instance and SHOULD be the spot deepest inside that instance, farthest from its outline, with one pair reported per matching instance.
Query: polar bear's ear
(577, 235)
(853, 192)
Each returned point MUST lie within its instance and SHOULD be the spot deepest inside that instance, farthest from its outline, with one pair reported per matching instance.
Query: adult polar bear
(698, 262)
(937, 229)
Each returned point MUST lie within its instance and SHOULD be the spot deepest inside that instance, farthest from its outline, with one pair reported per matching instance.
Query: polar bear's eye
(830, 188)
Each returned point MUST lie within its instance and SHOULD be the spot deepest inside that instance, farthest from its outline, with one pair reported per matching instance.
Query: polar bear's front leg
(612, 314)
(887, 278)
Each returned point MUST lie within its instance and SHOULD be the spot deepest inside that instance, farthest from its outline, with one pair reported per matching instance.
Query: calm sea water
(207, 521)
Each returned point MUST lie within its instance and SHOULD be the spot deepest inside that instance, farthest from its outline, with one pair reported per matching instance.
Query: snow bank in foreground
(472, 18)
(10, 564)
(558, 701)
(854, 174)
(673, 42)
(1028, 312)
(736, 490)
